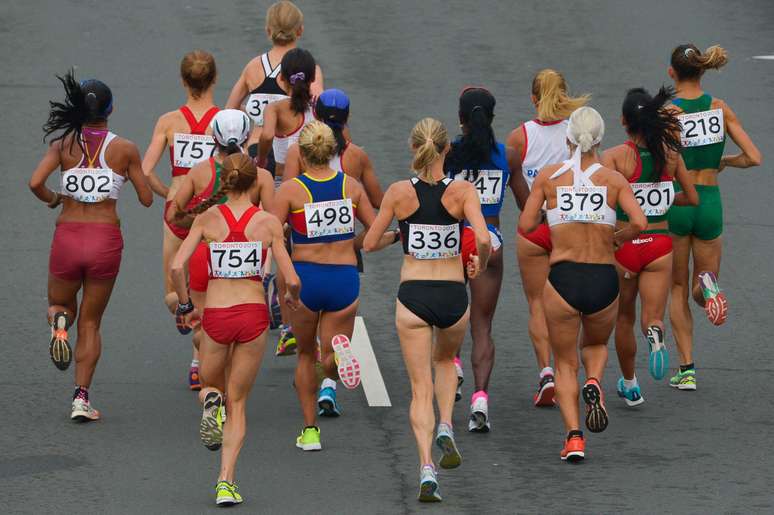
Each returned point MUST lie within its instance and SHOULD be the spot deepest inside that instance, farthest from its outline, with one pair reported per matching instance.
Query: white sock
(194, 362)
(630, 383)
(546, 372)
(328, 383)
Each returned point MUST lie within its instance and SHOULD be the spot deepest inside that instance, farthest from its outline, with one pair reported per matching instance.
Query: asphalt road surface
(700, 452)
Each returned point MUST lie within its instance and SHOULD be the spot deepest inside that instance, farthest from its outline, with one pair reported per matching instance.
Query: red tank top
(236, 232)
(196, 127)
(207, 192)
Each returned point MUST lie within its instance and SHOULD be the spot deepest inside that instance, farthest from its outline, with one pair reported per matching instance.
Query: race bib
(655, 198)
(256, 104)
(235, 260)
(329, 218)
(434, 241)
(704, 128)
(581, 203)
(88, 185)
(190, 149)
(489, 184)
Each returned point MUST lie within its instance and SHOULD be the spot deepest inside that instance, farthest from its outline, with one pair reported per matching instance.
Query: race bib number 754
(235, 260)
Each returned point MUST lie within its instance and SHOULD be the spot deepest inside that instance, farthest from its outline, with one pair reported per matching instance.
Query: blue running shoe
(632, 396)
(658, 358)
(326, 401)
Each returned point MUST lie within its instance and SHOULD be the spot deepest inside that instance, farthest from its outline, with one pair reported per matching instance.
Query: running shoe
(226, 494)
(349, 366)
(309, 440)
(632, 396)
(460, 378)
(574, 449)
(326, 402)
(272, 300)
(684, 380)
(445, 441)
(479, 415)
(658, 359)
(58, 347)
(193, 379)
(596, 414)
(211, 425)
(428, 485)
(715, 301)
(286, 345)
(82, 411)
(545, 393)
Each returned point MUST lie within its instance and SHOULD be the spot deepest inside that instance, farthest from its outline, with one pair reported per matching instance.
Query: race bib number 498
(434, 241)
(704, 128)
(655, 198)
(191, 149)
(329, 218)
(488, 184)
(235, 260)
(581, 203)
(88, 185)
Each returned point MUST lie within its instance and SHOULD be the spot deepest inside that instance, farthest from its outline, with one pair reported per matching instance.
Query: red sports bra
(236, 233)
(196, 127)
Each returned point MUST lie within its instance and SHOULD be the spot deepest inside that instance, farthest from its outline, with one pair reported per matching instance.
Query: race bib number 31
(488, 184)
(704, 128)
(235, 260)
(581, 203)
(88, 185)
(329, 218)
(655, 198)
(434, 241)
(256, 104)
(190, 149)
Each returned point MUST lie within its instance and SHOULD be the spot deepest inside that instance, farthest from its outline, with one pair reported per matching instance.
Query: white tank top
(584, 201)
(544, 144)
(92, 182)
(336, 161)
(281, 144)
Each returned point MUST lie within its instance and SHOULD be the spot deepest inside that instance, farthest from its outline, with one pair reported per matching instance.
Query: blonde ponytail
(553, 102)
(427, 140)
(714, 58)
(283, 21)
(689, 63)
(317, 144)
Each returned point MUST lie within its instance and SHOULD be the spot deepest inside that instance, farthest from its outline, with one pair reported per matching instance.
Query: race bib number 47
(191, 149)
(581, 203)
(235, 260)
(488, 184)
(704, 128)
(329, 218)
(655, 198)
(88, 185)
(434, 241)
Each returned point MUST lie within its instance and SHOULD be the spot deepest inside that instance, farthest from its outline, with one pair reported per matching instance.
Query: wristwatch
(184, 309)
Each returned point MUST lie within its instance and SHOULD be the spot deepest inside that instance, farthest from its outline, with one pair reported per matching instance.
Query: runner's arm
(137, 177)
(531, 216)
(43, 171)
(265, 190)
(284, 264)
(238, 92)
(182, 256)
(153, 153)
(688, 196)
(638, 222)
(176, 214)
(281, 203)
(370, 181)
(292, 163)
(317, 86)
(375, 235)
(471, 207)
(749, 155)
(267, 133)
(515, 147)
(366, 214)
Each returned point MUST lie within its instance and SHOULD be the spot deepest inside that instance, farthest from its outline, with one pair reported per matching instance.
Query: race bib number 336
(655, 198)
(704, 128)
(329, 218)
(235, 260)
(434, 241)
(88, 185)
(191, 149)
(581, 203)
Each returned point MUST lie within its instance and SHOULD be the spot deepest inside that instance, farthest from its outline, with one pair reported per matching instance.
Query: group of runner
(276, 177)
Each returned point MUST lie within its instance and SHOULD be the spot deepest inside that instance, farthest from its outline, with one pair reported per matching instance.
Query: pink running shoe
(349, 367)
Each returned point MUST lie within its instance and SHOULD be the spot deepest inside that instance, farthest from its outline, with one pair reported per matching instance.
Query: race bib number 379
(434, 241)
(581, 203)
(488, 184)
(704, 128)
(191, 149)
(88, 185)
(235, 260)
(655, 198)
(329, 218)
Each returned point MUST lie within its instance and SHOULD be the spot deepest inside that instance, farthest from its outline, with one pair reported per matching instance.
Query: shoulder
(609, 156)
(399, 189)
(125, 145)
(253, 68)
(170, 117)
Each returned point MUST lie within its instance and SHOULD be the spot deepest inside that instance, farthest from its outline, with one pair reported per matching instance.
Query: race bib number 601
(88, 185)
(655, 198)
(434, 241)
(704, 128)
(581, 203)
(235, 260)
(329, 218)
(191, 149)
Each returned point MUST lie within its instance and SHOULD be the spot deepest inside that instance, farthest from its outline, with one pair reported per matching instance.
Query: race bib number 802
(434, 241)
(191, 149)
(235, 260)
(329, 218)
(89, 185)
(581, 203)
(704, 128)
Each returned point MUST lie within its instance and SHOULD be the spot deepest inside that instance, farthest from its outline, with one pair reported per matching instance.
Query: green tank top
(653, 197)
(216, 184)
(704, 156)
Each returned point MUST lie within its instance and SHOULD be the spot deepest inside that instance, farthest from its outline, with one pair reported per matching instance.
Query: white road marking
(764, 57)
(370, 375)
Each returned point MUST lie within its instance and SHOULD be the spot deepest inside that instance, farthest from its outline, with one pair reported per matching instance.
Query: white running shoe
(460, 379)
(479, 416)
(83, 412)
(349, 367)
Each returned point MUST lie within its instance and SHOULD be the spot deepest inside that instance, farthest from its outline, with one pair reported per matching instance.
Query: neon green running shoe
(684, 380)
(211, 425)
(309, 439)
(226, 494)
(286, 345)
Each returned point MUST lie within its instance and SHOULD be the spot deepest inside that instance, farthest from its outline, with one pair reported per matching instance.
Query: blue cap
(332, 108)
(334, 98)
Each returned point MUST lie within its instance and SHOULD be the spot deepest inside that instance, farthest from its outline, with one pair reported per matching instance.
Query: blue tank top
(490, 181)
(328, 216)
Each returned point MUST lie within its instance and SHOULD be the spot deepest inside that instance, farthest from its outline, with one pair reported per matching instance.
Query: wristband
(184, 309)
(397, 236)
(55, 201)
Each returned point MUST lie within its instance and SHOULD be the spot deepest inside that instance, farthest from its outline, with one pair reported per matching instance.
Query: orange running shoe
(58, 347)
(715, 301)
(574, 449)
(545, 393)
(596, 414)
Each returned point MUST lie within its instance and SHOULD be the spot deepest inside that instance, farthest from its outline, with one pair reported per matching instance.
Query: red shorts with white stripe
(638, 253)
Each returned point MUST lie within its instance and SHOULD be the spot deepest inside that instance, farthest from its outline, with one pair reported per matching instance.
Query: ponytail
(648, 117)
(689, 63)
(298, 71)
(427, 140)
(553, 102)
(238, 174)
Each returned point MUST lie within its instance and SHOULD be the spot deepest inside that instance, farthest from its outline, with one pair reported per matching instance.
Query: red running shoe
(596, 414)
(715, 301)
(545, 394)
(574, 449)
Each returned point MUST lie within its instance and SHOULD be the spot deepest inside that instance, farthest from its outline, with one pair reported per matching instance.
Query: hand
(292, 301)
(723, 164)
(474, 267)
(193, 319)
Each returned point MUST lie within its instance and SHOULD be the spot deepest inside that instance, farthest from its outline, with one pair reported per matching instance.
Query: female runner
(477, 157)
(581, 294)
(432, 298)
(696, 231)
(235, 317)
(538, 143)
(257, 86)
(321, 206)
(87, 245)
(186, 132)
(650, 160)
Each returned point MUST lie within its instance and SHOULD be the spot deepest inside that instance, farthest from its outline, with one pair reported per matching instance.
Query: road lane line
(764, 57)
(370, 375)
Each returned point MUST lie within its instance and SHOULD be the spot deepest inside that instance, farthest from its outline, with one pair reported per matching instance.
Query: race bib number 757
(190, 149)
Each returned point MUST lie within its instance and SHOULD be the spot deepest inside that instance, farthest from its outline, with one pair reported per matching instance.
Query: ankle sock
(480, 393)
(686, 368)
(548, 371)
(81, 393)
(328, 383)
(574, 432)
(630, 383)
